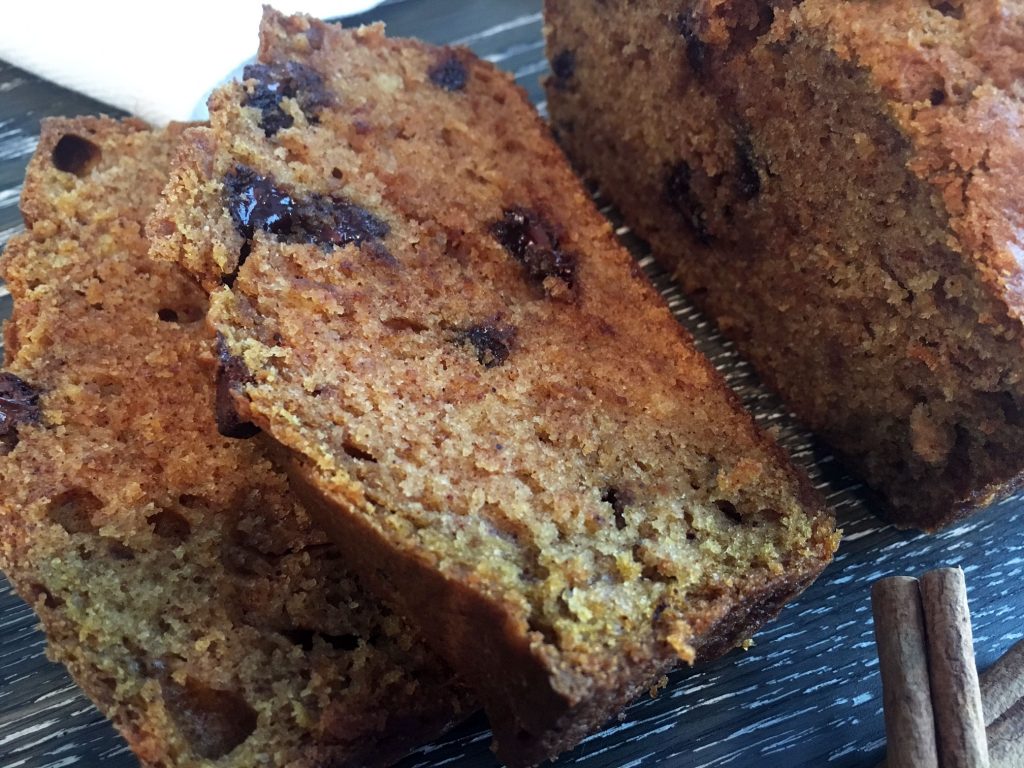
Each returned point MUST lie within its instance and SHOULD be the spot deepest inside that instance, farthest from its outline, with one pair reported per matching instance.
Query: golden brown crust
(184, 589)
(468, 379)
(834, 184)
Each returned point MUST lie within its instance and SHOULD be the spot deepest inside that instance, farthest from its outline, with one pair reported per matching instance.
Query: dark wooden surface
(807, 693)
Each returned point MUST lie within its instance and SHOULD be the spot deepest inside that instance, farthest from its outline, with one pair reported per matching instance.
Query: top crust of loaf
(836, 184)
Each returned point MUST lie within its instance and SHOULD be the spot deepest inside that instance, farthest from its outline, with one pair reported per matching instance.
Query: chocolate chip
(747, 178)
(681, 198)
(232, 374)
(449, 73)
(532, 240)
(953, 10)
(19, 404)
(491, 341)
(563, 67)
(333, 221)
(271, 83)
(76, 155)
(696, 49)
(937, 97)
(257, 203)
(213, 721)
(728, 509)
(304, 638)
(619, 499)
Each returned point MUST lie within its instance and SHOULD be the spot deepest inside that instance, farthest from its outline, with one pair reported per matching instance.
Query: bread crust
(834, 183)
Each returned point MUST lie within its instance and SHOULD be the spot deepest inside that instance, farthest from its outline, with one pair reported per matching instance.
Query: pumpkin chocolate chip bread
(472, 385)
(176, 578)
(839, 185)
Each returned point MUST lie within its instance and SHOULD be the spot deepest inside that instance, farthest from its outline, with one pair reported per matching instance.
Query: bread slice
(838, 184)
(185, 590)
(471, 382)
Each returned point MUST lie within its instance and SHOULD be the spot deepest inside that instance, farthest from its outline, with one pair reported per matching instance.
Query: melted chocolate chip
(696, 49)
(532, 240)
(680, 196)
(19, 404)
(231, 375)
(75, 155)
(619, 499)
(334, 221)
(289, 79)
(449, 73)
(257, 203)
(491, 342)
(747, 178)
(563, 67)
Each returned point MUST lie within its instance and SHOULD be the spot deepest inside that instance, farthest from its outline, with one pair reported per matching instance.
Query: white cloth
(157, 60)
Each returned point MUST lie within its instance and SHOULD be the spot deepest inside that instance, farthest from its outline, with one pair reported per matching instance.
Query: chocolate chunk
(680, 196)
(289, 79)
(696, 49)
(75, 154)
(491, 342)
(19, 404)
(334, 221)
(213, 721)
(533, 241)
(257, 203)
(563, 67)
(231, 375)
(619, 499)
(449, 73)
(747, 178)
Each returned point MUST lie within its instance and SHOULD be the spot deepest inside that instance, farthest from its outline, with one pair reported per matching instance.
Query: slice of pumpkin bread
(472, 384)
(838, 184)
(185, 590)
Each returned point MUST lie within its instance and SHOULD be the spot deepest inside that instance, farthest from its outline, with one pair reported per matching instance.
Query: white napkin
(157, 60)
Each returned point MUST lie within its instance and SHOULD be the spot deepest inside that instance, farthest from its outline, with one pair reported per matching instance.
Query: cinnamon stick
(1006, 738)
(1002, 684)
(1002, 699)
(953, 676)
(903, 664)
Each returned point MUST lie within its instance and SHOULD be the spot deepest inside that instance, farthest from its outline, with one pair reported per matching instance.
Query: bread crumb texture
(176, 578)
(434, 317)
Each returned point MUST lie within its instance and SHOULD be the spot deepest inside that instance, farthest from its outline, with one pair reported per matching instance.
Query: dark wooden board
(807, 693)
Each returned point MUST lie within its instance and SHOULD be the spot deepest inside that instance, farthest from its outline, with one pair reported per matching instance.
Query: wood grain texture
(807, 693)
